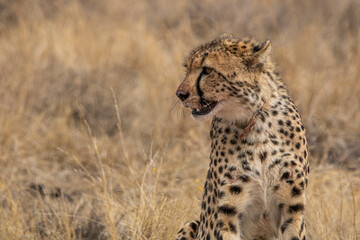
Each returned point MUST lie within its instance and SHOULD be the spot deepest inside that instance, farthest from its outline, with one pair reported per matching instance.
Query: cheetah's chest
(233, 161)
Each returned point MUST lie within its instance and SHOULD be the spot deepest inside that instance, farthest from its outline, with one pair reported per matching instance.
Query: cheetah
(258, 171)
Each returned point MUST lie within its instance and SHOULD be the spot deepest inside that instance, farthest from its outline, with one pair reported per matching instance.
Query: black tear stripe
(199, 91)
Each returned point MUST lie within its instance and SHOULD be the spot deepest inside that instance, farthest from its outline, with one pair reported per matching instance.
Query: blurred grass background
(94, 145)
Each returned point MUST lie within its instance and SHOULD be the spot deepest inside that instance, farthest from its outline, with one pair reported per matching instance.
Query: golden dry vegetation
(94, 145)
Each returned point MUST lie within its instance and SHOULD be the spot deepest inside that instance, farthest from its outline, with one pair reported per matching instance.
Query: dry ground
(93, 144)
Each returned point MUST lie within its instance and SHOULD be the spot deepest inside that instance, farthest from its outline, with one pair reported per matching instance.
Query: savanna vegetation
(95, 145)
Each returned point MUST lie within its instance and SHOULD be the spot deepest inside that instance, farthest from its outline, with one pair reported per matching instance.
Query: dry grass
(93, 144)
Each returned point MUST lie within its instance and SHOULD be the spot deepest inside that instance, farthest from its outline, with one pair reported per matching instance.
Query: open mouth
(205, 108)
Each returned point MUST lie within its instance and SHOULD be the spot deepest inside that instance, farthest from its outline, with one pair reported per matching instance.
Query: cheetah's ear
(262, 51)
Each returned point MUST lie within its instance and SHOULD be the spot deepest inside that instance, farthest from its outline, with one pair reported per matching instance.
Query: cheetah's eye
(206, 70)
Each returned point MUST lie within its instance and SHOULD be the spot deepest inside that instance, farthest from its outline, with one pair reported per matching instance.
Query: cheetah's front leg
(234, 196)
(189, 231)
(291, 197)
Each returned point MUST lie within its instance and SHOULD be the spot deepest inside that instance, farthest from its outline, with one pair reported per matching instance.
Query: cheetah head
(225, 78)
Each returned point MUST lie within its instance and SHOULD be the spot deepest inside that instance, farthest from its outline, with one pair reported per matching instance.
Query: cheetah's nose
(182, 94)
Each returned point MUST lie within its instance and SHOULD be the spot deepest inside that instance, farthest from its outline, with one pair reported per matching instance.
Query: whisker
(175, 104)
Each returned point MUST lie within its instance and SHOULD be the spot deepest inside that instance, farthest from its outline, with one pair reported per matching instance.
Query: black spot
(233, 141)
(262, 117)
(193, 226)
(220, 169)
(232, 168)
(227, 210)
(262, 156)
(244, 178)
(280, 122)
(290, 182)
(183, 238)
(305, 154)
(298, 129)
(227, 130)
(221, 194)
(246, 167)
(276, 187)
(232, 227)
(228, 175)
(272, 136)
(295, 238)
(286, 225)
(296, 208)
(231, 152)
(285, 175)
(274, 112)
(301, 227)
(235, 190)
(297, 145)
(281, 206)
(295, 192)
(291, 135)
(220, 224)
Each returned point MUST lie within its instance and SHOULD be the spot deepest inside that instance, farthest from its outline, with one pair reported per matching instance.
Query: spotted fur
(255, 186)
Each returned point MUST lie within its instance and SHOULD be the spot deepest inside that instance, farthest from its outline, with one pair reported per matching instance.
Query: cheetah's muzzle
(205, 108)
